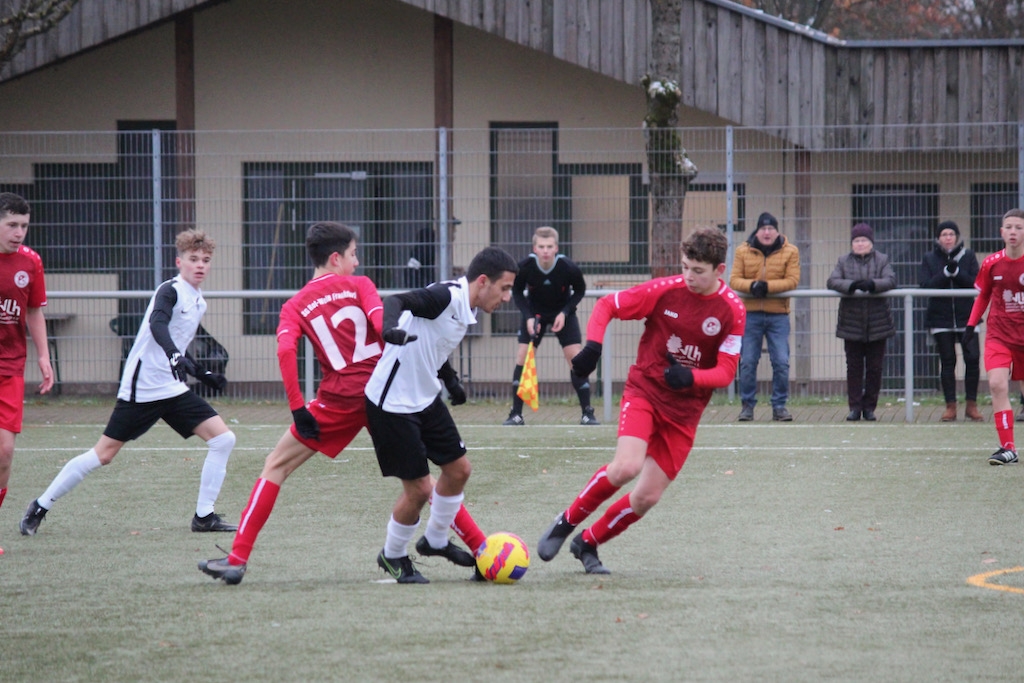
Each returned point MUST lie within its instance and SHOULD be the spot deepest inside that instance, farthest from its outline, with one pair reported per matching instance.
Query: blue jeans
(774, 327)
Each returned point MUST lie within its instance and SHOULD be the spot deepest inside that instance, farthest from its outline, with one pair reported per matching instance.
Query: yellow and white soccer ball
(503, 558)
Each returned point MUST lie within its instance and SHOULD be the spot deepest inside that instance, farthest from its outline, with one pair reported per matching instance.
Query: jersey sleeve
(519, 289)
(289, 331)
(983, 283)
(159, 320)
(37, 289)
(728, 350)
(634, 303)
(428, 303)
(579, 289)
(371, 303)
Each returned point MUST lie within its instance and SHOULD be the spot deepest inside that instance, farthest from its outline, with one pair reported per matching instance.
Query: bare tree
(23, 19)
(669, 167)
(896, 19)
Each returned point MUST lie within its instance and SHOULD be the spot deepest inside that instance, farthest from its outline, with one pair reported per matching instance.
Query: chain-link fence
(106, 207)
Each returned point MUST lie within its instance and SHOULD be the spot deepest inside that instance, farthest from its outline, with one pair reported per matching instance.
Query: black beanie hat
(766, 219)
(947, 225)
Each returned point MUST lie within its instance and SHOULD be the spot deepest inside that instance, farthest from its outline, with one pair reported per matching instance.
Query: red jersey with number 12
(22, 286)
(342, 316)
(1000, 282)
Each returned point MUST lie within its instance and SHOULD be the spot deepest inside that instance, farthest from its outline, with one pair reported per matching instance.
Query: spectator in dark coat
(950, 265)
(865, 322)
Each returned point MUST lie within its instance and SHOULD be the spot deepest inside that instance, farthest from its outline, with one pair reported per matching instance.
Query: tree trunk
(669, 168)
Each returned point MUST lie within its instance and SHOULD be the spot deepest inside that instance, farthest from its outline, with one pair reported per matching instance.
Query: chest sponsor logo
(10, 311)
(686, 354)
(1013, 302)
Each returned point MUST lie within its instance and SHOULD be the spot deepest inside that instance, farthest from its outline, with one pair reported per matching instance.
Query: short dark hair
(706, 245)
(13, 204)
(492, 262)
(1013, 213)
(325, 238)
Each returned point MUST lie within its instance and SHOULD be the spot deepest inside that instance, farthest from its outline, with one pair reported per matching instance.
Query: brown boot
(972, 413)
(950, 414)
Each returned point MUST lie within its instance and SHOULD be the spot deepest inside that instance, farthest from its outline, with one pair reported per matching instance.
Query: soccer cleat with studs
(588, 418)
(29, 524)
(400, 569)
(552, 539)
(587, 554)
(220, 568)
(211, 522)
(1004, 456)
(514, 420)
(450, 552)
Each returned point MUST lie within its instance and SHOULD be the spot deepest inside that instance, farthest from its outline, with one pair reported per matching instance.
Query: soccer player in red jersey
(341, 314)
(690, 346)
(22, 297)
(1000, 282)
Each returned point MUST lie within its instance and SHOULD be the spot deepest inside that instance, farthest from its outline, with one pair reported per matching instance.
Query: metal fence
(106, 207)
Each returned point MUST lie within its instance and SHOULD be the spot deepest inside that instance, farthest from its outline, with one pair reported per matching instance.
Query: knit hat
(947, 225)
(862, 230)
(766, 219)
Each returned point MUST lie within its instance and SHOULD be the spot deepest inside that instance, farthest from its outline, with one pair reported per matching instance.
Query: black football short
(404, 442)
(183, 413)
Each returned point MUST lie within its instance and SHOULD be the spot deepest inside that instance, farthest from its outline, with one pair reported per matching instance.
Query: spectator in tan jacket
(765, 264)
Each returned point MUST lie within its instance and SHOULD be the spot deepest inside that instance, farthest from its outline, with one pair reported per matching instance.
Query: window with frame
(599, 210)
(989, 201)
(390, 205)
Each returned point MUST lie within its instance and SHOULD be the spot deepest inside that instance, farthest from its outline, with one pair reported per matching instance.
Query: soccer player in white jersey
(340, 313)
(22, 297)
(153, 388)
(693, 331)
(1000, 282)
(409, 423)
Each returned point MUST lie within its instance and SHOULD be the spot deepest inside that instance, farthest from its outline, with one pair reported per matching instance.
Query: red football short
(339, 424)
(999, 356)
(12, 403)
(668, 443)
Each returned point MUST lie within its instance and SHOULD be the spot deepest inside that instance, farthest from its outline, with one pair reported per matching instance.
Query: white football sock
(214, 469)
(399, 535)
(442, 513)
(69, 477)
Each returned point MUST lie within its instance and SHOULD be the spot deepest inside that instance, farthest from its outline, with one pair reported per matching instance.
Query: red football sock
(597, 491)
(613, 522)
(3, 493)
(254, 516)
(466, 528)
(1004, 428)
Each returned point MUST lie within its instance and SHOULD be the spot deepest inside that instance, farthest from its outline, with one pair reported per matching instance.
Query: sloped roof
(736, 63)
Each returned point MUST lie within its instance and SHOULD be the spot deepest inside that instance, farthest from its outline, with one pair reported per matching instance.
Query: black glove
(537, 331)
(398, 336)
(182, 367)
(863, 285)
(759, 289)
(677, 376)
(305, 424)
(585, 362)
(214, 380)
(968, 337)
(952, 266)
(456, 392)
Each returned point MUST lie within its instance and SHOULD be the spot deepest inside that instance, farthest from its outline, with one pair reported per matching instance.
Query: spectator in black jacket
(865, 322)
(950, 265)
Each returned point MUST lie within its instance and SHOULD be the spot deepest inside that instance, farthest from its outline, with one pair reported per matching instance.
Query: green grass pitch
(781, 553)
